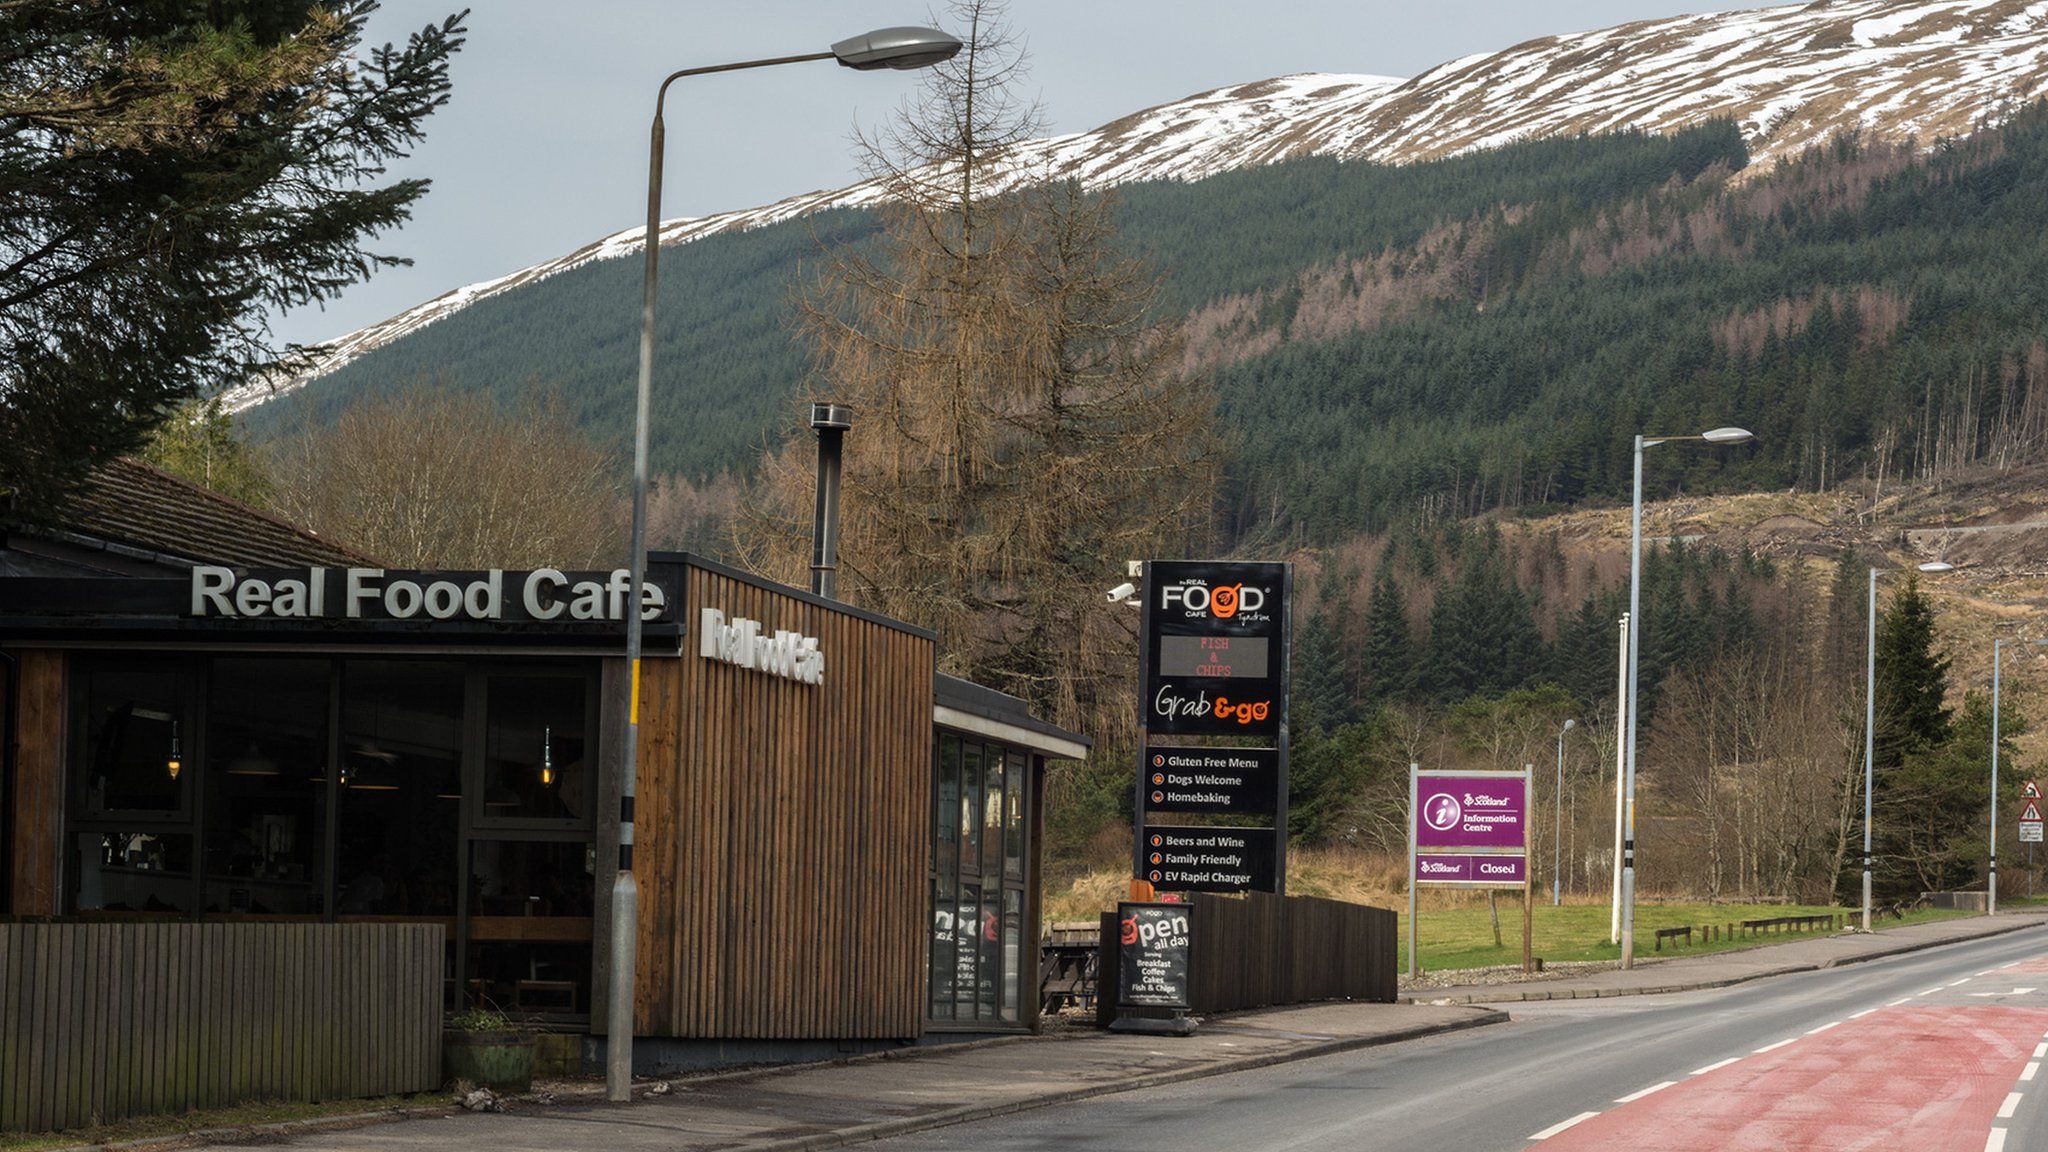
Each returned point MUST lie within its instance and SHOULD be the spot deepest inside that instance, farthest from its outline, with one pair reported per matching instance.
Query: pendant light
(175, 763)
(547, 756)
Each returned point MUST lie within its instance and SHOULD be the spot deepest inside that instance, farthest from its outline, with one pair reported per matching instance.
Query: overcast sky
(542, 147)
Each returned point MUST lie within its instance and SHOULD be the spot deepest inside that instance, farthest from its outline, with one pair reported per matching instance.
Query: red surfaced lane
(1926, 1077)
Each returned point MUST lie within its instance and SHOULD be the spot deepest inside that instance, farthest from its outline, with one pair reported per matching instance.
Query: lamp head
(1937, 566)
(899, 48)
(1728, 436)
(1570, 724)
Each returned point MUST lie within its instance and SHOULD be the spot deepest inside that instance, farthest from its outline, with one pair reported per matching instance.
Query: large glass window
(265, 776)
(537, 769)
(400, 788)
(343, 788)
(138, 734)
(981, 834)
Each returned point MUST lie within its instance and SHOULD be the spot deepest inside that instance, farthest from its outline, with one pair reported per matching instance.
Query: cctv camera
(1122, 592)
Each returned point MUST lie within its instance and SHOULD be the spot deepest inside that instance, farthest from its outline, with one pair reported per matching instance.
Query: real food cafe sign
(539, 595)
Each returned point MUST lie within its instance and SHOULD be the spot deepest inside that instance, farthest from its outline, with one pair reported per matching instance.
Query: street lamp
(1991, 888)
(894, 48)
(1722, 436)
(1870, 713)
(1557, 819)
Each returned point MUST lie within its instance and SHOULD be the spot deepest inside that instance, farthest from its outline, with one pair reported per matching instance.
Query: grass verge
(239, 1116)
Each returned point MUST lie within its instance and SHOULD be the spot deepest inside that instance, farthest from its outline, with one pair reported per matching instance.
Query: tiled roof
(131, 503)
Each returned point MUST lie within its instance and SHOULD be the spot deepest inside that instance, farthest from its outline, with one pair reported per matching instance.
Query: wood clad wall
(38, 785)
(786, 829)
(101, 1021)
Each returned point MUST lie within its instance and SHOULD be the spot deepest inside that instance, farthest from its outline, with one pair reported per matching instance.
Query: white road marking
(1987, 972)
(1862, 1014)
(2014, 992)
(1899, 1001)
(1715, 1066)
(1931, 991)
(1996, 1141)
(2041, 1049)
(1964, 980)
(1554, 1129)
(1635, 1096)
(2032, 1067)
(1824, 1027)
(1779, 1044)
(2011, 1105)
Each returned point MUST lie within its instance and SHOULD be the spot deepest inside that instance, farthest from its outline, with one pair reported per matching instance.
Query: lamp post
(1635, 632)
(1991, 888)
(893, 48)
(1870, 714)
(1557, 821)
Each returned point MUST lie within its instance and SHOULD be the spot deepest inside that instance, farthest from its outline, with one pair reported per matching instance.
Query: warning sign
(2030, 791)
(2030, 812)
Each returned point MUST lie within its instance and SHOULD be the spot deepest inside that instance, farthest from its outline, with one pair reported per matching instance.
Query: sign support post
(1413, 971)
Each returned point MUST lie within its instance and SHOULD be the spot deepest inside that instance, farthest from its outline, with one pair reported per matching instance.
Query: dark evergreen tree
(170, 172)
(1912, 678)
(1318, 674)
(1388, 670)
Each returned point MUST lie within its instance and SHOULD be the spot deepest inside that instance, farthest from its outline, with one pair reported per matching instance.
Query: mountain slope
(1789, 76)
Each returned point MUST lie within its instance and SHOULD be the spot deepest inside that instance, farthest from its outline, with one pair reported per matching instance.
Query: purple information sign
(1484, 871)
(1471, 813)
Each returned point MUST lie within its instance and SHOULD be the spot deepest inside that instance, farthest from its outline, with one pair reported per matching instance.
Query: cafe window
(979, 959)
(265, 782)
(346, 788)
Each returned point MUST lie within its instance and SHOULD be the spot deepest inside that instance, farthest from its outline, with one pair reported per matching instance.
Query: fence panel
(1258, 949)
(101, 1021)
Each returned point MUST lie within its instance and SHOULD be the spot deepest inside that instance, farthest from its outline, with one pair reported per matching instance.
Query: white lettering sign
(373, 594)
(744, 644)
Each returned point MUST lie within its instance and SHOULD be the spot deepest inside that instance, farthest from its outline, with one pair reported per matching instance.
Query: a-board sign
(1154, 941)
(1471, 812)
(1215, 637)
(1218, 781)
(1185, 859)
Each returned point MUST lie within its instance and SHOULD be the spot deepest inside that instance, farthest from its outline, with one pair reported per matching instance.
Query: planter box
(500, 1061)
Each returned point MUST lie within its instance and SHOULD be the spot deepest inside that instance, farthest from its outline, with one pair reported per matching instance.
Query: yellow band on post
(633, 708)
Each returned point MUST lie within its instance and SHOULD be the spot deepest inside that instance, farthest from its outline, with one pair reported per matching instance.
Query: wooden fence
(1257, 950)
(100, 1021)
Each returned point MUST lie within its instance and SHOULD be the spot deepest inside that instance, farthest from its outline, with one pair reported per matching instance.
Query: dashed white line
(1554, 1129)
(1862, 1014)
(1996, 1141)
(2041, 1049)
(1635, 1096)
(1931, 991)
(2011, 1105)
(1955, 983)
(1987, 972)
(1899, 1001)
(1716, 1066)
(1824, 1027)
(1772, 1047)
(2032, 1067)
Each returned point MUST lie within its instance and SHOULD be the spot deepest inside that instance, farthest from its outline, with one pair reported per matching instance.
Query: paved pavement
(830, 1105)
(1934, 1051)
(1722, 969)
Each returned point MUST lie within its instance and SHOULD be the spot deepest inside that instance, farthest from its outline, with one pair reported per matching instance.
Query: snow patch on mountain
(1789, 76)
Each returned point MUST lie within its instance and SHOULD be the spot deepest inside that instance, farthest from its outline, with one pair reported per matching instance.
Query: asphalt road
(1935, 1050)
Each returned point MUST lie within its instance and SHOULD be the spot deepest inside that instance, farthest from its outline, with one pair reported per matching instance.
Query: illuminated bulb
(547, 756)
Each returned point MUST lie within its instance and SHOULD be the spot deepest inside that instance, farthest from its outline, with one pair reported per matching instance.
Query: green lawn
(1463, 937)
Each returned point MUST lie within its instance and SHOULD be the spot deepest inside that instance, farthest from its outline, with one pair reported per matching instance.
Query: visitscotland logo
(743, 644)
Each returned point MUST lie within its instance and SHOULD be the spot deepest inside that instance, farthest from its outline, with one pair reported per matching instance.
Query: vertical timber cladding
(38, 783)
(785, 828)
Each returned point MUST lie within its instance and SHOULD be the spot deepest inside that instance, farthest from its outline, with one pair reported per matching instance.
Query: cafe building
(214, 716)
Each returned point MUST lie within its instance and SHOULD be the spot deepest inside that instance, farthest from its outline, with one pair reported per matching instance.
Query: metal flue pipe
(831, 422)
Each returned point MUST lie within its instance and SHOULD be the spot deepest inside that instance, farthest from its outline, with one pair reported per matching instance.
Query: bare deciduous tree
(431, 478)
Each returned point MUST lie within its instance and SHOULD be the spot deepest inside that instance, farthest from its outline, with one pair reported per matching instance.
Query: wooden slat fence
(100, 1021)
(1258, 950)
